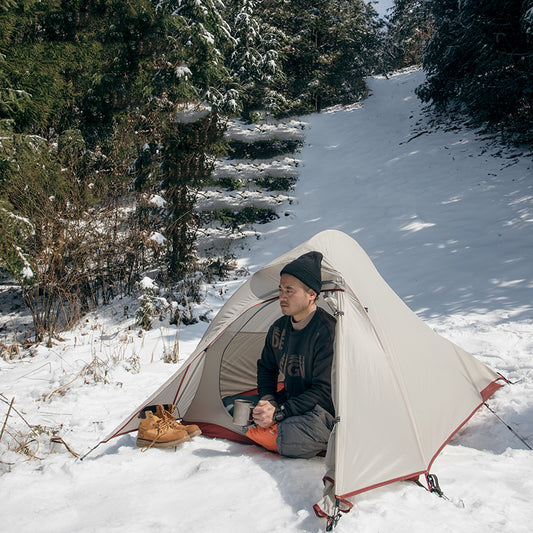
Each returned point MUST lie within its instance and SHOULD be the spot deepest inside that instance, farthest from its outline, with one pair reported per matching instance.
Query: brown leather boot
(159, 433)
(192, 429)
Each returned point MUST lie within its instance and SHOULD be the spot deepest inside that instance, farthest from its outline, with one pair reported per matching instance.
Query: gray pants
(305, 435)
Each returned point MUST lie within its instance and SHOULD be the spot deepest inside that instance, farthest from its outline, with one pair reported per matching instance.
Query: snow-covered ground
(446, 216)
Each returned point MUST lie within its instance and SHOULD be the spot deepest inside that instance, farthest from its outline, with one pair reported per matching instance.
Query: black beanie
(307, 269)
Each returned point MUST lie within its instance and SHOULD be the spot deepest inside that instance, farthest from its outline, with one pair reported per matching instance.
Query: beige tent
(400, 390)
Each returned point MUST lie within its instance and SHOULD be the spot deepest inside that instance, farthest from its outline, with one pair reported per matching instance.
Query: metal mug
(242, 412)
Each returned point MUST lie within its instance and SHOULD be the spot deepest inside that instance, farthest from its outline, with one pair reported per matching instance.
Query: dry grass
(171, 352)
(8, 352)
(18, 438)
(21, 441)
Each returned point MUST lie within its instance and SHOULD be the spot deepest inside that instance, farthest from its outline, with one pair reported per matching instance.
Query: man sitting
(296, 421)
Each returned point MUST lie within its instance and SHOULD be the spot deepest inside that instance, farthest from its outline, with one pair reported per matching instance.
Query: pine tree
(255, 61)
(97, 80)
(353, 45)
(409, 26)
(186, 165)
(205, 38)
(480, 60)
(331, 47)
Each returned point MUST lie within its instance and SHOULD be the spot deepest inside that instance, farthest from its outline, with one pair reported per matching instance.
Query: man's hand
(263, 414)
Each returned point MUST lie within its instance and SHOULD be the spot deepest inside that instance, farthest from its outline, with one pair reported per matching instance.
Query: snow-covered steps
(250, 185)
(249, 170)
(214, 199)
(284, 130)
(270, 174)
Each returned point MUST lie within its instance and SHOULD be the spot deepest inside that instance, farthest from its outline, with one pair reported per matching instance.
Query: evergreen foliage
(479, 60)
(409, 26)
(330, 47)
(205, 39)
(255, 62)
(186, 165)
(110, 112)
(83, 86)
(236, 219)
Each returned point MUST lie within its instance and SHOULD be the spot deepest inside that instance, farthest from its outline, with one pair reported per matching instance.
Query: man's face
(295, 299)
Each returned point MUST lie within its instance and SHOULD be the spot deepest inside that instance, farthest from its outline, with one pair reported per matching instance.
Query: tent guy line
(511, 429)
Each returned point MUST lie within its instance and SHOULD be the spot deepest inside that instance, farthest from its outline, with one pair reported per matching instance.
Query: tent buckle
(433, 484)
(333, 520)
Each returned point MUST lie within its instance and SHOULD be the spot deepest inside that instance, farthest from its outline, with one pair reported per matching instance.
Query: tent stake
(333, 520)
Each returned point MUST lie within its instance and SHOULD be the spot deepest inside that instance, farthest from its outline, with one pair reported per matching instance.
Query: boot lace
(169, 418)
(162, 426)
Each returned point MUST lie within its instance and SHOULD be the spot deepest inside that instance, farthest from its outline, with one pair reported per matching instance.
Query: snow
(192, 112)
(19, 218)
(250, 169)
(383, 7)
(158, 238)
(241, 131)
(147, 284)
(27, 272)
(157, 201)
(183, 71)
(445, 214)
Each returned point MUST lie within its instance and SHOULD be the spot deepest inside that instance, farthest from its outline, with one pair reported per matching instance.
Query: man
(297, 420)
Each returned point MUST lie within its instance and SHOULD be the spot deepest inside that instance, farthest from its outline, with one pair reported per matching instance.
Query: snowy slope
(447, 218)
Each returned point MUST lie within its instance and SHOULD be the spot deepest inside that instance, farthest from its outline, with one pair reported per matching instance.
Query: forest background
(112, 114)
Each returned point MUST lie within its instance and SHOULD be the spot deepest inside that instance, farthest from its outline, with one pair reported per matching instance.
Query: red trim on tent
(183, 379)
(322, 514)
(319, 512)
(347, 503)
(120, 431)
(408, 477)
(488, 391)
(220, 432)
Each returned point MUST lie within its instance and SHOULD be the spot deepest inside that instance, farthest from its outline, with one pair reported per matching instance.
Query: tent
(400, 390)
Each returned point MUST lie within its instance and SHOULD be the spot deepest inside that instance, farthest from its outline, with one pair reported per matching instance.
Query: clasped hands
(263, 413)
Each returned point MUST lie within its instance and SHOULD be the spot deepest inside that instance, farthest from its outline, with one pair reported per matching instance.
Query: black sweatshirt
(305, 358)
